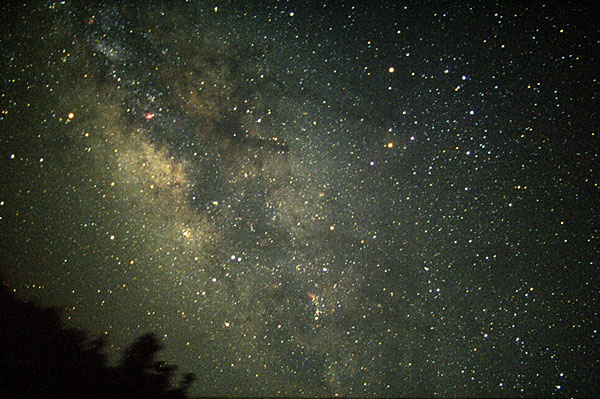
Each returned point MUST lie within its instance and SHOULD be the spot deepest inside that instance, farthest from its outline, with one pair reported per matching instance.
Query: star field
(312, 200)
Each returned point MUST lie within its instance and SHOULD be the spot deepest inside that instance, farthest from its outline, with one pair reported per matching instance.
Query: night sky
(391, 199)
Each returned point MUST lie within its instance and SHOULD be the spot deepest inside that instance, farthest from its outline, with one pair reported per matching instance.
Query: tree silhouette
(40, 357)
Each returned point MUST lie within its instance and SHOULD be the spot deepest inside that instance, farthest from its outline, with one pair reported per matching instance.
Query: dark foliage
(40, 357)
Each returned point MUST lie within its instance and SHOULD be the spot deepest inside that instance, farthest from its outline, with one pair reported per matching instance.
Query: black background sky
(392, 199)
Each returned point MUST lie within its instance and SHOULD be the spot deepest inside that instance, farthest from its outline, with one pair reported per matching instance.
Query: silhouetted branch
(40, 357)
